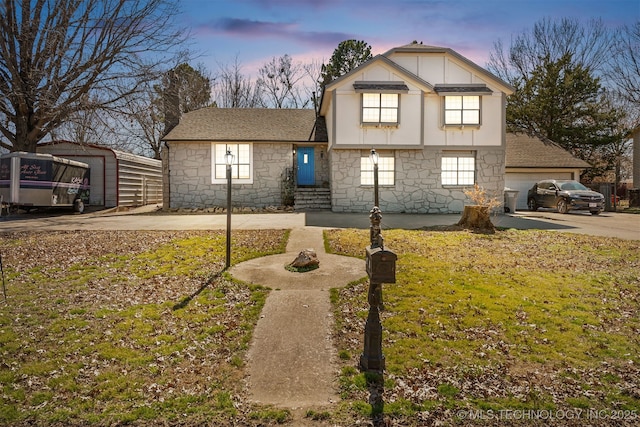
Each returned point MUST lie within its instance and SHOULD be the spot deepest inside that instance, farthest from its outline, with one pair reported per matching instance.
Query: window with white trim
(462, 110)
(380, 108)
(242, 167)
(386, 169)
(458, 170)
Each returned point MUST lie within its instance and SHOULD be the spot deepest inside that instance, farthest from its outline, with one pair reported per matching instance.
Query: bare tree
(53, 53)
(313, 72)
(158, 110)
(232, 89)
(85, 125)
(550, 40)
(625, 65)
(279, 79)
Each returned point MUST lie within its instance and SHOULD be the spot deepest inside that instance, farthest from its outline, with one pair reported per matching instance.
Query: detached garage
(117, 178)
(530, 160)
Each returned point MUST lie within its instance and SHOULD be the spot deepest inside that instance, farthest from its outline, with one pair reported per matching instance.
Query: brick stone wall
(417, 186)
(190, 177)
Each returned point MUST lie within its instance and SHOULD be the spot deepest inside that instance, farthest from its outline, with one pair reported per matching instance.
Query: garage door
(522, 182)
(96, 177)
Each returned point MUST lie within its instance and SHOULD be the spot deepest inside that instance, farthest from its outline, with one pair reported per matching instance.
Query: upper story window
(241, 169)
(461, 110)
(462, 103)
(380, 108)
(380, 101)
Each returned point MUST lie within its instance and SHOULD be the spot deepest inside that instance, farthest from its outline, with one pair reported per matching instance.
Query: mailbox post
(381, 268)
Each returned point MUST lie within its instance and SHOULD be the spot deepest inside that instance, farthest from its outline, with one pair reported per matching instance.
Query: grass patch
(537, 319)
(91, 334)
(279, 416)
(141, 328)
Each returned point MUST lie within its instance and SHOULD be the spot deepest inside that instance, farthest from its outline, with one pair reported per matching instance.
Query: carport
(530, 160)
(117, 178)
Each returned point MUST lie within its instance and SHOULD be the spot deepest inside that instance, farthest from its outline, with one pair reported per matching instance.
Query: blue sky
(255, 31)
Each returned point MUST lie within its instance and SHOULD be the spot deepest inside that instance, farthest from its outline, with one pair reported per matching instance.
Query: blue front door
(306, 171)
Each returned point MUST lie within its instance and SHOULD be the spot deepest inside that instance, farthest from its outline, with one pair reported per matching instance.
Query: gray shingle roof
(244, 124)
(381, 86)
(524, 151)
(462, 89)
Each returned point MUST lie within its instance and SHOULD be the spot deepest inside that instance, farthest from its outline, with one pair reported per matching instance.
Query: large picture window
(461, 110)
(458, 170)
(241, 170)
(380, 108)
(386, 170)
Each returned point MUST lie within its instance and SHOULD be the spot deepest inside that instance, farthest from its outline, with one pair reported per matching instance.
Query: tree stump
(476, 217)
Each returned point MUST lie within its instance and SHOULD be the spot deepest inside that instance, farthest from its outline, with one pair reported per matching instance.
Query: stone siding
(190, 177)
(417, 186)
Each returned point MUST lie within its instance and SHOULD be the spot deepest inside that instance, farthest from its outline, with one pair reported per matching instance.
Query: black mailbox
(381, 265)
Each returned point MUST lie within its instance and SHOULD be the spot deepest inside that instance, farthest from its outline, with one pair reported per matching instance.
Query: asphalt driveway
(612, 224)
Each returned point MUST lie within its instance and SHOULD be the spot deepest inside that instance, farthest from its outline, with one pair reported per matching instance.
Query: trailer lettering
(33, 170)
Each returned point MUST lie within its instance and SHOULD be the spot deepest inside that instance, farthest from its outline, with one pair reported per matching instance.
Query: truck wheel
(78, 206)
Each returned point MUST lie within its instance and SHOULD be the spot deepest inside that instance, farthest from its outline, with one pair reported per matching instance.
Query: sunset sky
(255, 31)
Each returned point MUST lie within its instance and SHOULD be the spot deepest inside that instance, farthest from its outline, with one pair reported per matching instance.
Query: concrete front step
(307, 199)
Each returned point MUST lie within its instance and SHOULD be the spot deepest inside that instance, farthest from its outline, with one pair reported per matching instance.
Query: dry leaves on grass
(121, 326)
(598, 278)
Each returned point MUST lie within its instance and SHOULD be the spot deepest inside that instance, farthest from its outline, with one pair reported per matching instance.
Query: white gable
(420, 112)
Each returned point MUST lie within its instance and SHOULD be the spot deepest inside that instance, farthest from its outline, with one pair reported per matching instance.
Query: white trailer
(31, 180)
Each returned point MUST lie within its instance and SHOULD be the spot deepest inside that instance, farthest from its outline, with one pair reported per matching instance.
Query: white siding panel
(433, 134)
(377, 74)
(457, 74)
(432, 68)
(456, 137)
(409, 63)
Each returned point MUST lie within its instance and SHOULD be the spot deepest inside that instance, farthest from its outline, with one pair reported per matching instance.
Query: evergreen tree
(562, 102)
(348, 55)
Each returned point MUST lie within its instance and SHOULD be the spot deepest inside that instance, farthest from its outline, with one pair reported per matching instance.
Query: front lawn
(111, 328)
(491, 324)
(140, 328)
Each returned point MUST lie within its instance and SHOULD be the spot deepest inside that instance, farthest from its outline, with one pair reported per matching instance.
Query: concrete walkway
(292, 359)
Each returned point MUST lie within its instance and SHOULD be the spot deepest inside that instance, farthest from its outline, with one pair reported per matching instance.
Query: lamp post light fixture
(228, 159)
(381, 268)
(374, 159)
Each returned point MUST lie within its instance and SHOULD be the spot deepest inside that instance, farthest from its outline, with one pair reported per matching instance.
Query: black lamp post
(228, 159)
(381, 269)
(374, 159)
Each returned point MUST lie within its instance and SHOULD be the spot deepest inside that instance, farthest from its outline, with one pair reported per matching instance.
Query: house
(530, 160)
(117, 178)
(436, 119)
(264, 143)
